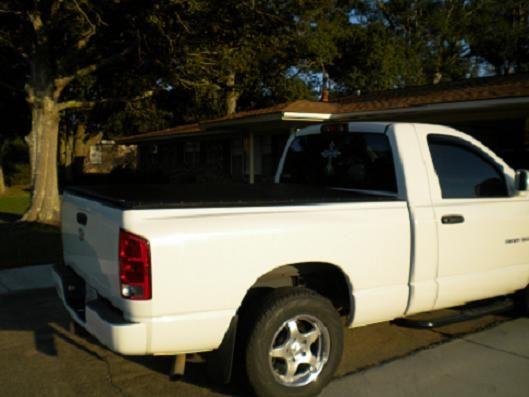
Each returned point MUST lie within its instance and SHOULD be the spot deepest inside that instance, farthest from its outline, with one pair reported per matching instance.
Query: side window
(463, 171)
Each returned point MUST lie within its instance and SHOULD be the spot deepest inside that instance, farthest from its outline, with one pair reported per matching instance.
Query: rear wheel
(295, 344)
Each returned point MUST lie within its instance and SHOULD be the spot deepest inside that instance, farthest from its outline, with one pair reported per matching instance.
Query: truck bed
(217, 196)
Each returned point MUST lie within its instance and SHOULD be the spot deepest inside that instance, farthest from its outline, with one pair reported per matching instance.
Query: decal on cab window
(330, 154)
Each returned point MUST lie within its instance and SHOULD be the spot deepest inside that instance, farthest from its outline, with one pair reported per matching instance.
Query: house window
(192, 153)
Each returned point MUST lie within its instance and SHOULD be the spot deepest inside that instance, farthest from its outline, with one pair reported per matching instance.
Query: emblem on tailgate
(81, 234)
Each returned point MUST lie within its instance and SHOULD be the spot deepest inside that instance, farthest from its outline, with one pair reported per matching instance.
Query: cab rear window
(360, 161)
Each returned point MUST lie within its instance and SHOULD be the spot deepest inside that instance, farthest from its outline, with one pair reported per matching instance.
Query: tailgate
(90, 234)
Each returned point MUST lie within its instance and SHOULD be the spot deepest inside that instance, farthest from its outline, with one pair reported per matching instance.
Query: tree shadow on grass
(8, 217)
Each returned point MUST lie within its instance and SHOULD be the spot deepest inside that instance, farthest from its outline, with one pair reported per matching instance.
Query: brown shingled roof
(458, 91)
(465, 90)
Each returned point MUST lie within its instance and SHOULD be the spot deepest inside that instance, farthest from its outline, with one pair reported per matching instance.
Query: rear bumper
(100, 320)
(187, 333)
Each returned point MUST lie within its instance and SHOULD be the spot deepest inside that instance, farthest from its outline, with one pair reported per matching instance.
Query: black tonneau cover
(217, 196)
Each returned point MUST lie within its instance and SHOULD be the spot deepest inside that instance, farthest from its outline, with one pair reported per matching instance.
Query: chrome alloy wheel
(299, 351)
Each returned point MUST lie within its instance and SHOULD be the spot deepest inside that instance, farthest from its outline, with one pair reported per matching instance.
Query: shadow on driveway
(25, 243)
(35, 329)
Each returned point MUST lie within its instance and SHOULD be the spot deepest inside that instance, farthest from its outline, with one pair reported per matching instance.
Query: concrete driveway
(39, 356)
(494, 362)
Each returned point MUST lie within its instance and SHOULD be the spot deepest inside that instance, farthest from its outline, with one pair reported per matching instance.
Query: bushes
(14, 157)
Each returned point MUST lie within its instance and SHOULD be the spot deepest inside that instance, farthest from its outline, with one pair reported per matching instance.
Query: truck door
(482, 223)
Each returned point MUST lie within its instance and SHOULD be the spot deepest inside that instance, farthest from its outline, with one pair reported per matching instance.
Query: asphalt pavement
(39, 355)
(25, 278)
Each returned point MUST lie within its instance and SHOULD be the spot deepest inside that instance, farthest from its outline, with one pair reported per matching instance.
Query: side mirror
(522, 180)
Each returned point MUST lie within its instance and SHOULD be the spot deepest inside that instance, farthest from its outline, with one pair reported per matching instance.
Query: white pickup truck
(367, 222)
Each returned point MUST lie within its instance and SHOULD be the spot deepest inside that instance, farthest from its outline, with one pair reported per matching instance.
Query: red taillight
(134, 266)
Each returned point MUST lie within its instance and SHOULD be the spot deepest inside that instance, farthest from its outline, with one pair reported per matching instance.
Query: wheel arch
(327, 279)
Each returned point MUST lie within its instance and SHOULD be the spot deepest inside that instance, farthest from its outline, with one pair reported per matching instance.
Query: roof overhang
(284, 120)
(446, 109)
(266, 119)
(311, 117)
(180, 135)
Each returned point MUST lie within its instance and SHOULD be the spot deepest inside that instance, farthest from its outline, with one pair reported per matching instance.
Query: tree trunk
(2, 181)
(80, 145)
(43, 95)
(232, 95)
(44, 137)
(32, 145)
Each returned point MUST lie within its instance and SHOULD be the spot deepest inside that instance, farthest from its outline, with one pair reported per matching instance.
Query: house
(246, 146)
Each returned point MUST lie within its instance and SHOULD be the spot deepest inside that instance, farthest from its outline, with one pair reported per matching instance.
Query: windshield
(349, 160)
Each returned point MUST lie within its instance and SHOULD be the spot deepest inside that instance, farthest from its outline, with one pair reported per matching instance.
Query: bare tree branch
(55, 6)
(83, 41)
(11, 87)
(6, 11)
(36, 20)
(96, 66)
(62, 82)
(74, 104)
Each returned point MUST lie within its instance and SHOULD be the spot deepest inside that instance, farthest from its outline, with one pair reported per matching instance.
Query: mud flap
(220, 362)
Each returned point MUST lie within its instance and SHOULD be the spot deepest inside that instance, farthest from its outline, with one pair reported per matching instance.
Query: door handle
(451, 219)
(82, 218)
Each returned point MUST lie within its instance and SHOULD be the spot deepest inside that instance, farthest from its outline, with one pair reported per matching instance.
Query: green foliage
(188, 51)
(257, 42)
(273, 90)
(404, 42)
(371, 58)
(17, 174)
(15, 119)
(500, 34)
(14, 156)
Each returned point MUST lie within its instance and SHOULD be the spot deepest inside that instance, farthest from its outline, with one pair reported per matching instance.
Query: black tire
(521, 300)
(311, 312)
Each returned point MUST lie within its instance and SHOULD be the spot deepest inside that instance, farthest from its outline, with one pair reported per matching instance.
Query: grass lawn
(15, 201)
(23, 243)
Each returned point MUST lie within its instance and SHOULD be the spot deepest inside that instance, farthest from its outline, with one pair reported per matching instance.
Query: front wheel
(295, 345)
